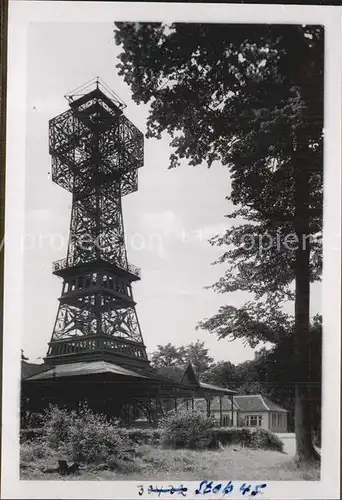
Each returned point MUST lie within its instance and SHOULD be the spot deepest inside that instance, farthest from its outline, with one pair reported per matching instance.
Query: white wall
(264, 415)
(278, 428)
(266, 418)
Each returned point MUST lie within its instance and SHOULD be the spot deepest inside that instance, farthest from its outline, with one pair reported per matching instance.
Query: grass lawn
(228, 463)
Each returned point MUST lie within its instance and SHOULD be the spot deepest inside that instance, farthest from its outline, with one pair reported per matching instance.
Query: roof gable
(191, 375)
(272, 406)
(256, 402)
(179, 373)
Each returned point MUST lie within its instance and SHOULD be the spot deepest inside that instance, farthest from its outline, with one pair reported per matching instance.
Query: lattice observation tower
(96, 352)
(96, 153)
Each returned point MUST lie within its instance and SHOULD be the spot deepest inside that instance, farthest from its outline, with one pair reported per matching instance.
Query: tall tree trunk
(303, 424)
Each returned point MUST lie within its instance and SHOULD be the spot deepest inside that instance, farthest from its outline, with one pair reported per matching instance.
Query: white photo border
(21, 14)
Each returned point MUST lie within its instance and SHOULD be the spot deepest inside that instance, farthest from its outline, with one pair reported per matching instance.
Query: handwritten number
(257, 489)
(245, 488)
(207, 489)
(217, 488)
(198, 491)
(228, 488)
(183, 490)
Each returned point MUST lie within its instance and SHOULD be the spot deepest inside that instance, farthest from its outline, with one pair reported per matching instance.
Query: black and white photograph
(172, 252)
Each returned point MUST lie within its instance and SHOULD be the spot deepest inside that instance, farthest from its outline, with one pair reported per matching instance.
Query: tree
(250, 97)
(195, 353)
(222, 374)
(271, 373)
(168, 355)
(278, 373)
(198, 356)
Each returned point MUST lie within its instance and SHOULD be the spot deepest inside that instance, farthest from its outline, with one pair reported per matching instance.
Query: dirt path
(289, 440)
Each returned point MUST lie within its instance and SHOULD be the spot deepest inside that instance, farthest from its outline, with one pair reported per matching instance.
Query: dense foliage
(187, 430)
(248, 437)
(83, 436)
(271, 373)
(196, 431)
(170, 355)
(250, 97)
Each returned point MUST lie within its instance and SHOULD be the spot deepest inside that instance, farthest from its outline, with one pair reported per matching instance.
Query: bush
(248, 437)
(141, 436)
(231, 435)
(266, 440)
(56, 426)
(27, 435)
(187, 430)
(30, 451)
(83, 435)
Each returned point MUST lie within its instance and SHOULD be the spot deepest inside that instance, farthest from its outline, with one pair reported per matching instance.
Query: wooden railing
(75, 346)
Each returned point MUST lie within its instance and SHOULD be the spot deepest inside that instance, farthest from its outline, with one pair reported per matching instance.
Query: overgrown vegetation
(106, 451)
(187, 430)
(84, 436)
(188, 465)
(248, 437)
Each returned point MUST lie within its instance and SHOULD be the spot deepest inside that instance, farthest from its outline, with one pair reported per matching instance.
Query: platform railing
(75, 346)
(58, 265)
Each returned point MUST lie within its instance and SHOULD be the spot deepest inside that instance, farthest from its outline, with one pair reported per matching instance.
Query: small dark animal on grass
(65, 470)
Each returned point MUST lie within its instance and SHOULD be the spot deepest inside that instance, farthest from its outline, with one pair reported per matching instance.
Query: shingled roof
(250, 403)
(82, 368)
(201, 404)
(30, 369)
(256, 402)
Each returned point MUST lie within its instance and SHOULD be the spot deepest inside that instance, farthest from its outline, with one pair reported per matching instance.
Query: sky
(168, 220)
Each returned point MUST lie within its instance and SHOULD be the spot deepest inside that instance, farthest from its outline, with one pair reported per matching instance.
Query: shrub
(34, 420)
(231, 435)
(56, 425)
(251, 438)
(30, 435)
(187, 430)
(141, 436)
(34, 450)
(83, 435)
(95, 442)
(264, 439)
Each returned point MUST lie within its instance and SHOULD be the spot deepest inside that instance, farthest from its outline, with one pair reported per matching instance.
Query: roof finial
(97, 82)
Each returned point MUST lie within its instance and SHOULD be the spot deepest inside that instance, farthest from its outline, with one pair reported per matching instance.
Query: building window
(226, 422)
(277, 419)
(253, 420)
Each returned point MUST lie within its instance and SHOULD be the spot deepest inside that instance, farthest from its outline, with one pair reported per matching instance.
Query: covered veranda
(117, 391)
